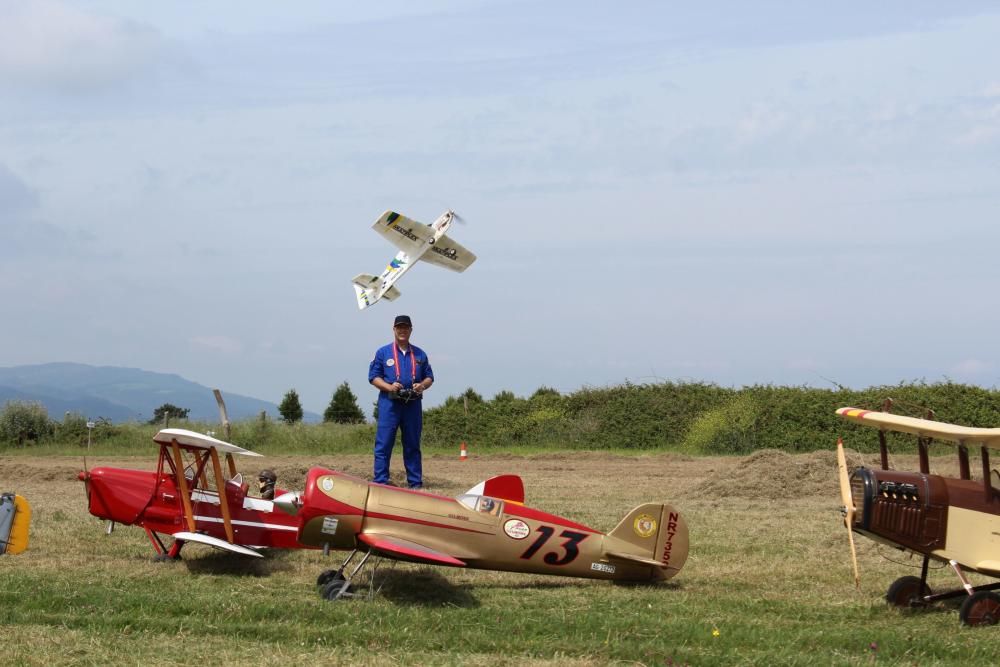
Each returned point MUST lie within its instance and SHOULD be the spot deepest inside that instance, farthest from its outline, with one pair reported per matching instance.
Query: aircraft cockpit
(482, 504)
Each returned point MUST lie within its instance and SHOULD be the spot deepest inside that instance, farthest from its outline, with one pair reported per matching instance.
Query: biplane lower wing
(217, 543)
(395, 547)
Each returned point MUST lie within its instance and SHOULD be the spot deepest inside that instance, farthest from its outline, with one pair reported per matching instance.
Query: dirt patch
(771, 474)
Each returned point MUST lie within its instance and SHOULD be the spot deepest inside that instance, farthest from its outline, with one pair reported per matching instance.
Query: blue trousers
(405, 417)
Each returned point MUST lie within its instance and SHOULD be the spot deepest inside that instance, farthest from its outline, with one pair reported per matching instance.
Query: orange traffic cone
(463, 453)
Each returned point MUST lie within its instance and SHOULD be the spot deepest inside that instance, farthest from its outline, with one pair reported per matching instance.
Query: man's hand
(396, 386)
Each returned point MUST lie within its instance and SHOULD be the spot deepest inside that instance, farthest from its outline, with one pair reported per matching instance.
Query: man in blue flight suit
(402, 373)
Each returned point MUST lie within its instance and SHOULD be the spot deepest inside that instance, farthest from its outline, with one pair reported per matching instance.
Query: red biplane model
(488, 527)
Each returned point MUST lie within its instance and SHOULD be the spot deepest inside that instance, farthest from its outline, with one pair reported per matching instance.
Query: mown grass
(767, 583)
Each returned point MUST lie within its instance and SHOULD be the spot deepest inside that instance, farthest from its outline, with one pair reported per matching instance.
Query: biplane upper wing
(394, 547)
(192, 440)
(450, 254)
(925, 428)
(406, 234)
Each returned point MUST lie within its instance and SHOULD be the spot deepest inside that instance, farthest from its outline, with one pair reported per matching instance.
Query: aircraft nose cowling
(119, 495)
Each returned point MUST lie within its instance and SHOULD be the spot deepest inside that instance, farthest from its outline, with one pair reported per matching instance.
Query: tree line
(690, 417)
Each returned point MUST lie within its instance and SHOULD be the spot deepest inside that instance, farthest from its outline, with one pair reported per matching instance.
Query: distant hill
(121, 394)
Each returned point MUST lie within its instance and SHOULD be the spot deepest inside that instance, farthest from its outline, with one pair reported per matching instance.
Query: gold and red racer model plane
(488, 527)
(952, 520)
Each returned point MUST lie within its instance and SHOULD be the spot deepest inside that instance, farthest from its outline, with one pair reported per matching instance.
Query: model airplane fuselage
(416, 241)
(488, 527)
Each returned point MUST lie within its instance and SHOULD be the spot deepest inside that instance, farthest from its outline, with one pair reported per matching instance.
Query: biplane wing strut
(178, 439)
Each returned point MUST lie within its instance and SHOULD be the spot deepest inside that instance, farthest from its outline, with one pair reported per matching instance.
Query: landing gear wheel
(907, 592)
(326, 576)
(165, 558)
(980, 608)
(336, 588)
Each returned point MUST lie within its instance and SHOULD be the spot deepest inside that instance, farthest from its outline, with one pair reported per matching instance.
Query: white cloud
(49, 44)
(223, 344)
(972, 367)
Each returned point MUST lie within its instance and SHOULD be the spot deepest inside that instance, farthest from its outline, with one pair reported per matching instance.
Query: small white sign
(603, 567)
(330, 525)
(516, 529)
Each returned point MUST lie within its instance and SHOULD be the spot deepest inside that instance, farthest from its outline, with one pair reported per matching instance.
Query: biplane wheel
(980, 608)
(907, 591)
(326, 576)
(166, 558)
(336, 589)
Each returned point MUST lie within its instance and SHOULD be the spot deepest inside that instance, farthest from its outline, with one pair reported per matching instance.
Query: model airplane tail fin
(652, 534)
(364, 289)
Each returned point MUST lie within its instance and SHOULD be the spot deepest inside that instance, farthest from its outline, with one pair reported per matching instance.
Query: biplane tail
(652, 534)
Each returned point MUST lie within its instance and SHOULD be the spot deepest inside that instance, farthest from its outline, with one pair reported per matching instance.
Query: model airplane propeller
(952, 520)
(416, 242)
(488, 527)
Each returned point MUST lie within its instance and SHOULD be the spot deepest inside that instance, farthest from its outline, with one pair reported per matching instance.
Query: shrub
(24, 422)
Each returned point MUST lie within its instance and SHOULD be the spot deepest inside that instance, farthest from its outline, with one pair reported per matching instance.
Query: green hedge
(692, 417)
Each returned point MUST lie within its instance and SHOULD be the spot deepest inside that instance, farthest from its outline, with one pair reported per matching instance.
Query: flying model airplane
(487, 527)
(416, 241)
(952, 520)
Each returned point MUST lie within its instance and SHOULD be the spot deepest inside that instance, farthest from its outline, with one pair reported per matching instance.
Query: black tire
(907, 592)
(980, 608)
(325, 577)
(335, 589)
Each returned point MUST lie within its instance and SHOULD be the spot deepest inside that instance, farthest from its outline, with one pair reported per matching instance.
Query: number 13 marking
(571, 545)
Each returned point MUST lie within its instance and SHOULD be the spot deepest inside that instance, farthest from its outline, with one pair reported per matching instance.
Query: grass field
(767, 582)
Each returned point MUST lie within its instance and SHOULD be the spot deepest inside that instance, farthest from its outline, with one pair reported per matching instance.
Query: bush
(24, 422)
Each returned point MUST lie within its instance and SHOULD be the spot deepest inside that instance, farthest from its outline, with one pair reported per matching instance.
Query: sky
(737, 193)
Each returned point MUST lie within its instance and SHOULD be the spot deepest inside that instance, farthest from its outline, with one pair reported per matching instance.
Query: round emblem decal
(327, 484)
(390, 362)
(644, 525)
(516, 529)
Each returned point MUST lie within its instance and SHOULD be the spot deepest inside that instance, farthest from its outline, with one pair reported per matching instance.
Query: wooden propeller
(845, 496)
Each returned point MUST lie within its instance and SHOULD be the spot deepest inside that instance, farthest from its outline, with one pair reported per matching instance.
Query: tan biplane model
(953, 520)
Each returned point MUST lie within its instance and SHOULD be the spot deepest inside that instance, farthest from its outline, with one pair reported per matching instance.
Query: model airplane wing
(406, 234)
(394, 547)
(925, 428)
(217, 543)
(450, 254)
(191, 440)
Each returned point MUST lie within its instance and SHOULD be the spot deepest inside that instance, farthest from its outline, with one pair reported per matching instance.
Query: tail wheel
(907, 592)
(980, 608)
